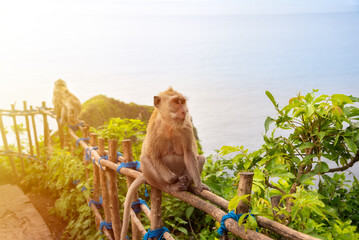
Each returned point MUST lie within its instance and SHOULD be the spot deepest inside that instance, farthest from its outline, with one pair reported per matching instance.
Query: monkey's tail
(127, 205)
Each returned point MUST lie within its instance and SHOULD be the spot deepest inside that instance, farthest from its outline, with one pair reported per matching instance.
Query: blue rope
(105, 224)
(83, 188)
(88, 152)
(75, 182)
(98, 204)
(136, 206)
(135, 164)
(99, 161)
(233, 215)
(158, 233)
(146, 191)
(81, 139)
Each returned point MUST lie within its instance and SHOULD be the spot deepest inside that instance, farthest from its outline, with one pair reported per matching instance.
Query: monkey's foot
(203, 186)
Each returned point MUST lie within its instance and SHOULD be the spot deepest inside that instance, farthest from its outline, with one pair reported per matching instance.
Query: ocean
(223, 64)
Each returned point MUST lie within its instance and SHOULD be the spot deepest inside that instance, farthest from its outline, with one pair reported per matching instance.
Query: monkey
(169, 156)
(67, 106)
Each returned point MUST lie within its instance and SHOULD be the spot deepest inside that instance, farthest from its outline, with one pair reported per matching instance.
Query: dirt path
(19, 220)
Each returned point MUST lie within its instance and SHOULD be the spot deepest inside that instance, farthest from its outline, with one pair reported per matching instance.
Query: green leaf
(270, 96)
(228, 149)
(339, 99)
(284, 175)
(321, 135)
(351, 145)
(309, 97)
(306, 145)
(183, 230)
(321, 167)
(233, 203)
(309, 110)
(252, 222)
(189, 211)
(306, 177)
(267, 123)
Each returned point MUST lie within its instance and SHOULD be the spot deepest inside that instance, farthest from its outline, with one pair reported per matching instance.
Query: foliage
(310, 134)
(122, 129)
(106, 108)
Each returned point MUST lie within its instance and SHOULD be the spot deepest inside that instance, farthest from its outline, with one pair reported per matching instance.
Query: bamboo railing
(105, 167)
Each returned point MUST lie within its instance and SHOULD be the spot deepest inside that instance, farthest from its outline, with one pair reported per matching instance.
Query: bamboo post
(104, 187)
(96, 174)
(128, 157)
(85, 134)
(61, 133)
(28, 129)
(244, 188)
(19, 149)
(35, 132)
(46, 130)
(156, 213)
(112, 182)
(7, 148)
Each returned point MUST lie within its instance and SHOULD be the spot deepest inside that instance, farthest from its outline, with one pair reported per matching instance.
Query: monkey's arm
(162, 169)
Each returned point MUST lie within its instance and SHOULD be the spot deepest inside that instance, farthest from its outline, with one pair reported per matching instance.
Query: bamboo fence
(106, 164)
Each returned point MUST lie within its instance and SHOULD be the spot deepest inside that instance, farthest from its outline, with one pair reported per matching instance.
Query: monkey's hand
(171, 178)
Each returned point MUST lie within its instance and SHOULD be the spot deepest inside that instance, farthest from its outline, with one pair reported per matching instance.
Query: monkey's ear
(156, 101)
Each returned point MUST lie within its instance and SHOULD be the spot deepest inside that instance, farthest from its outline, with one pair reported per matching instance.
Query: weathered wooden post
(112, 182)
(104, 186)
(275, 200)
(156, 209)
(244, 188)
(28, 129)
(7, 148)
(19, 149)
(35, 132)
(46, 130)
(96, 174)
(85, 134)
(128, 157)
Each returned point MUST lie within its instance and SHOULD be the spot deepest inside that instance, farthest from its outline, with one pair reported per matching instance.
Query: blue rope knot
(98, 204)
(88, 152)
(99, 161)
(83, 188)
(81, 139)
(105, 224)
(135, 164)
(233, 215)
(136, 206)
(158, 233)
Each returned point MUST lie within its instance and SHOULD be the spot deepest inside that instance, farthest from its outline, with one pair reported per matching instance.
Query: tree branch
(275, 187)
(348, 165)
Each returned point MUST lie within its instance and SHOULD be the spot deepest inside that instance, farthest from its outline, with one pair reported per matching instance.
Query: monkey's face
(60, 83)
(178, 108)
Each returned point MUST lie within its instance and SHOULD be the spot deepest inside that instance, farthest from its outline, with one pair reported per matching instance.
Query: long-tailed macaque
(67, 106)
(169, 156)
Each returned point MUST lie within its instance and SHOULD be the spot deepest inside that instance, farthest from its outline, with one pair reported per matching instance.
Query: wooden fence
(107, 163)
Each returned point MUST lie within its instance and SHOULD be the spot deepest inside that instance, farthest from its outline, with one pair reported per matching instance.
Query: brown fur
(67, 106)
(169, 155)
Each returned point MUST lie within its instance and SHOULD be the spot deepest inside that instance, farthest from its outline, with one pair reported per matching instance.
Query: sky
(173, 7)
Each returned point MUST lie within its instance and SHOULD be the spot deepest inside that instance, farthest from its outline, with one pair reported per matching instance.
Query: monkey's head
(60, 83)
(171, 106)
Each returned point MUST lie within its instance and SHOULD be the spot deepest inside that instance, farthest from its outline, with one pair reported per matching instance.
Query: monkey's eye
(176, 101)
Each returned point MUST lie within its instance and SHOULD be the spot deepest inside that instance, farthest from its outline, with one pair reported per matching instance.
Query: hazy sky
(174, 7)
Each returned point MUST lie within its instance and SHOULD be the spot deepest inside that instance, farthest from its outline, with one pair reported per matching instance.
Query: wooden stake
(46, 130)
(128, 157)
(244, 188)
(85, 134)
(96, 174)
(19, 149)
(112, 182)
(35, 132)
(7, 148)
(104, 187)
(28, 130)
(156, 210)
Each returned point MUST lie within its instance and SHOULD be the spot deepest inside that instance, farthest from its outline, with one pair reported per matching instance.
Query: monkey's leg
(154, 178)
